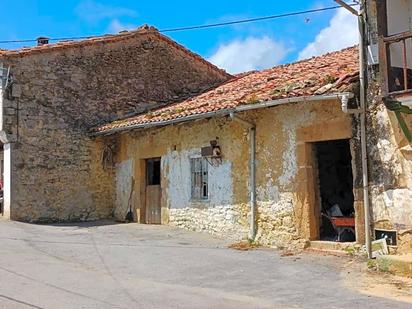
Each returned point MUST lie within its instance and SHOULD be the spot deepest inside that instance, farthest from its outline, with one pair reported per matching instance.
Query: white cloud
(93, 12)
(342, 32)
(252, 53)
(116, 26)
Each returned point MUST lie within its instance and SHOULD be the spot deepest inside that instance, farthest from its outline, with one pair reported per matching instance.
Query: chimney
(42, 41)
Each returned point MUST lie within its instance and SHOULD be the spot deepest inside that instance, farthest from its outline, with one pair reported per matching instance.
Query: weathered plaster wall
(220, 214)
(58, 94)
(389, 155)
(280, 213)
(177, 165)
(390, 163)
(124, 174)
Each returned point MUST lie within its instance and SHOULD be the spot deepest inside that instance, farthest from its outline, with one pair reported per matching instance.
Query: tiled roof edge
(226, 111)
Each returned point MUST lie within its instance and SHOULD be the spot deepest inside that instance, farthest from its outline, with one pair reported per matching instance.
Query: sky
(235, 48)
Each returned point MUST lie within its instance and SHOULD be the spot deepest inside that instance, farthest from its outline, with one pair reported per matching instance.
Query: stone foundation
(276, 225)
(229, 221)
(275, 222)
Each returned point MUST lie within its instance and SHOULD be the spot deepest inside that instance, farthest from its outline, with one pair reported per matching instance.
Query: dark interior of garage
(335, 181)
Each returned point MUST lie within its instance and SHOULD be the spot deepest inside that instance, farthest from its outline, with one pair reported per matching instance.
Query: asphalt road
(107, 265)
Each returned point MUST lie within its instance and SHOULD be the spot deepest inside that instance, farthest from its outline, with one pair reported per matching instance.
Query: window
(199, 174)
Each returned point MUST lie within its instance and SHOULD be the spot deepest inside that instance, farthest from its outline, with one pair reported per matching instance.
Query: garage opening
(335, 183)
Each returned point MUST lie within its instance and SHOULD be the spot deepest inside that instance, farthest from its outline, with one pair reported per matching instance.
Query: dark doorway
(153, 171)
(153, 191)
(335, 181)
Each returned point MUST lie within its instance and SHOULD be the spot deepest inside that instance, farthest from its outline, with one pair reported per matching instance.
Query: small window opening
(153, 171)
(335, 178)
(199, 177)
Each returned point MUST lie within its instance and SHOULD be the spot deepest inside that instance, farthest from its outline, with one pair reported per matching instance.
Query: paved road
(109, 265)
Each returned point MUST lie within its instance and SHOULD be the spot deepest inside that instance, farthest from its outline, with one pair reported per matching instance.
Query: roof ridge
(107, 38)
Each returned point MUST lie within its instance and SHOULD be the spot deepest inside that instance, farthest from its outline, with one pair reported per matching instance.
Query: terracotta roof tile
(331, 73)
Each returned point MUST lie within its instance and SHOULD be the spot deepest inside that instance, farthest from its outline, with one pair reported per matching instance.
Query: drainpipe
(364, 159)
(344, 99)
(252, 175)
(365, 181)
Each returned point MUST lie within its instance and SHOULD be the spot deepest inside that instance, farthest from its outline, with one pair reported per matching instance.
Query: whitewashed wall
(178, 191)
(124, 173)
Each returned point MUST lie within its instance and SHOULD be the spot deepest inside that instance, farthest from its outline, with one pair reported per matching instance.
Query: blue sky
(235, 48)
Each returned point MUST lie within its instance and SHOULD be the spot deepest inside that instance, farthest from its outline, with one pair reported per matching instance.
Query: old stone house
(52, 94)
(95, 128)
(263, 140)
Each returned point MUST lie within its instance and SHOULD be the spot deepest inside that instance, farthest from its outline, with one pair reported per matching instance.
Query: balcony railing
(396, 63)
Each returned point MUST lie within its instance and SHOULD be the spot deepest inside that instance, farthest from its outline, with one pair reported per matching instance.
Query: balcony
(396, 64)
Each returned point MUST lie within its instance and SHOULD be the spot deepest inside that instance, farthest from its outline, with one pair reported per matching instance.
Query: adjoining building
(388, 42)
(282, 141)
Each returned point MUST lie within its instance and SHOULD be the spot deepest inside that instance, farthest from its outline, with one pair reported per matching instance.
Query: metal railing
(395, 78)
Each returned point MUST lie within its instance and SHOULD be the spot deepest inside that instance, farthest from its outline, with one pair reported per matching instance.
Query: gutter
(227, 112)
(252, 174)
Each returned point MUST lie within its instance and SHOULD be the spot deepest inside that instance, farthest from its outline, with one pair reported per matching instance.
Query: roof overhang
(226, 112)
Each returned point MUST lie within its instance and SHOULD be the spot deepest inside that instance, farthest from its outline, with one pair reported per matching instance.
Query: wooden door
(153, 208)
(153, 191)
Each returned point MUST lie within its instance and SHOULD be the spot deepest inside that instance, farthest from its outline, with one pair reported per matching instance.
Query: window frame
(203, 174)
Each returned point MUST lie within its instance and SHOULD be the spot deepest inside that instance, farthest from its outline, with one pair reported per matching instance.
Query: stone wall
(58, 94)
(389, 155)
(228, 221)
(282, 214)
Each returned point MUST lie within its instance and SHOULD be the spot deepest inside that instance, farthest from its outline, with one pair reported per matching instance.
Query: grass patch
(350, 251)
(371, 264)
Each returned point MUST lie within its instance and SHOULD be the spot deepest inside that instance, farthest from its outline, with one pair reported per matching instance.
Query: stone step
(333, 247)
(328, 251)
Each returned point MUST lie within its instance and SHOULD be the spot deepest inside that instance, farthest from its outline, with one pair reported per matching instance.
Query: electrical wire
(242, 21)
(222, 24)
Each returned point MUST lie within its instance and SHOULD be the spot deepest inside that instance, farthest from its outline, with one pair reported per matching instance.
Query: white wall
(7, 180)
(124, 173)
(399, 14)
(6, 160)
(176, 165)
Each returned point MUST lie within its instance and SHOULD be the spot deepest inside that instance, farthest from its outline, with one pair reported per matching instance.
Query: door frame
(306, 186)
